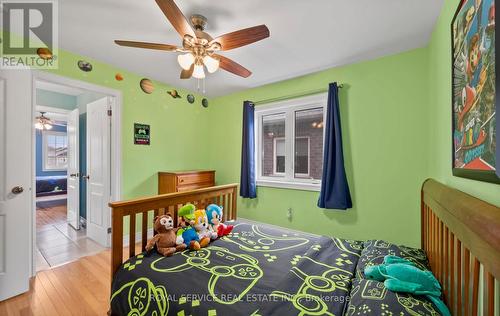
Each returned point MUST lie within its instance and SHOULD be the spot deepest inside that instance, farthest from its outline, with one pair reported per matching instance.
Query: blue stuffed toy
(214, 216)
(401, 275)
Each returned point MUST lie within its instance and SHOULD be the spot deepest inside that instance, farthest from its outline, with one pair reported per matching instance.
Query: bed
(261, 269)
(50, 185)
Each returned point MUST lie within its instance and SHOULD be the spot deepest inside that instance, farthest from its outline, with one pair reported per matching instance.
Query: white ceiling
(306, 36)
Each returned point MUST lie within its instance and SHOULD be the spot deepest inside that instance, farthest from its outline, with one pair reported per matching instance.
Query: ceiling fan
(199, 49)
(43, 122)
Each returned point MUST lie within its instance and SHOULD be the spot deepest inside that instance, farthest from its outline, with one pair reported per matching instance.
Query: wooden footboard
(461, 236)
(224, 195)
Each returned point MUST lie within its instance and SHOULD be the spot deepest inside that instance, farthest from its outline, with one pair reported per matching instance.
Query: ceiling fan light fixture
(211, 63)
(185, 60)
(43, 122)
(198, 72)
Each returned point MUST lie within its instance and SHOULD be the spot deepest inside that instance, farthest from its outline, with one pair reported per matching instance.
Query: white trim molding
(50, 109)
(286, 109)
(304, 186)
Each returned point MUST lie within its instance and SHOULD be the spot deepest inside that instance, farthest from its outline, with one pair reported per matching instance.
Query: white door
(16, 225)
(98, 170)
(73, 185)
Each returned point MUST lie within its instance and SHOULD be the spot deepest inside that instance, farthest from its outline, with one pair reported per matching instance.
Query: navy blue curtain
(247, 184)
(334, 187)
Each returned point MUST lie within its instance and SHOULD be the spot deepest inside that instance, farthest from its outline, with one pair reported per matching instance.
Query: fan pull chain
(200, 85)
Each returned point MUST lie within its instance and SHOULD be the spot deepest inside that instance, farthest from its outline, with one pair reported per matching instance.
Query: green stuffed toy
(186, 234)
(401, 275)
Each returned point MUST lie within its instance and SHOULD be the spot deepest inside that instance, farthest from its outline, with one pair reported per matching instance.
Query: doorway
(71, 120)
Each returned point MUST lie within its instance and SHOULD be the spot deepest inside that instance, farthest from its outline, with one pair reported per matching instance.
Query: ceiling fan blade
(157, 46)
(186, 74)
(232, 66)
(176, 18)
(242, 37)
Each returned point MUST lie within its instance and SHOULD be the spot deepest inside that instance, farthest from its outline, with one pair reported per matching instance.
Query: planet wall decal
(174, 94)
(84, 65)
(147, 86)
(204, 102)
(44, 53)
(118, 77)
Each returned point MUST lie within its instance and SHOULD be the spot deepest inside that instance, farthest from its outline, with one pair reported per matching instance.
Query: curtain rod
(293, 96)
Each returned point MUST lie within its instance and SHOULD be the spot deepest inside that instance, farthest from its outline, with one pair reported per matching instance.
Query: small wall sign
(141, 134)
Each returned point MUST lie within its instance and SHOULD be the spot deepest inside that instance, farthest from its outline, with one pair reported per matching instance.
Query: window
(289, 143)
(55, 151)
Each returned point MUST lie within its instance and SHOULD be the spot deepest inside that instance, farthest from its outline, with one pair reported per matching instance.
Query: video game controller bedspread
(255, 270)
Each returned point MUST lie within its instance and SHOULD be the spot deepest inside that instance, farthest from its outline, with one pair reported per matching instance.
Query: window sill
(290, 185)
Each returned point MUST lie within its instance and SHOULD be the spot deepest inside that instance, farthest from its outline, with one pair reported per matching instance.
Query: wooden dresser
(178, 181)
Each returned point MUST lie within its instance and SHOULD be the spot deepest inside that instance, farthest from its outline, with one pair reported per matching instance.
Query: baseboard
(83, 222)
(138, 237)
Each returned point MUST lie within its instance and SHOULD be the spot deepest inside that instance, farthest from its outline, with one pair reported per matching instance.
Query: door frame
(116, 140)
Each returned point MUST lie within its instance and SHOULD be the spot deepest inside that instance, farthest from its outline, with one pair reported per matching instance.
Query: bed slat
(490, 297)
(116, 241)
(446, 251)
(175, 214)
(234, 205)
(451, 301)
(459, 278)
(475, 286)
(466, 281)
(132, 230)
(440, 251)
(144, 230)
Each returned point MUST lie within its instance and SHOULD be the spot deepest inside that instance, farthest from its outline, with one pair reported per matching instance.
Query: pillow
(369, 297)
(374, 251)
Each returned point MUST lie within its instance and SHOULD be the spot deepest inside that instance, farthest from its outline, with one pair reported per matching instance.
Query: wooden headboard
(224, 195)
(461, 236)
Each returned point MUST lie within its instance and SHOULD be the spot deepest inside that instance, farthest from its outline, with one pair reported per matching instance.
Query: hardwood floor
(46, 218)
(81, 287)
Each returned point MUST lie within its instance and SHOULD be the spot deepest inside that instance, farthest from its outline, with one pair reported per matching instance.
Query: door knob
(86, 177)
(74, 175)
(17, 189)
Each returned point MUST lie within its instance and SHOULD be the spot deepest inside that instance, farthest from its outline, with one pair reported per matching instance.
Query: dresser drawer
(190, 187)
(195, 178)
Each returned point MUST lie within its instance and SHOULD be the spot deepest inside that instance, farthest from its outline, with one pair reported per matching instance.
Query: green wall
(439, 110)
(178, 129)
(383, 108)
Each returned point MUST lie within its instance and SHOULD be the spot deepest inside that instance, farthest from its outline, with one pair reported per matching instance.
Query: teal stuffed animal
(401, 275)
